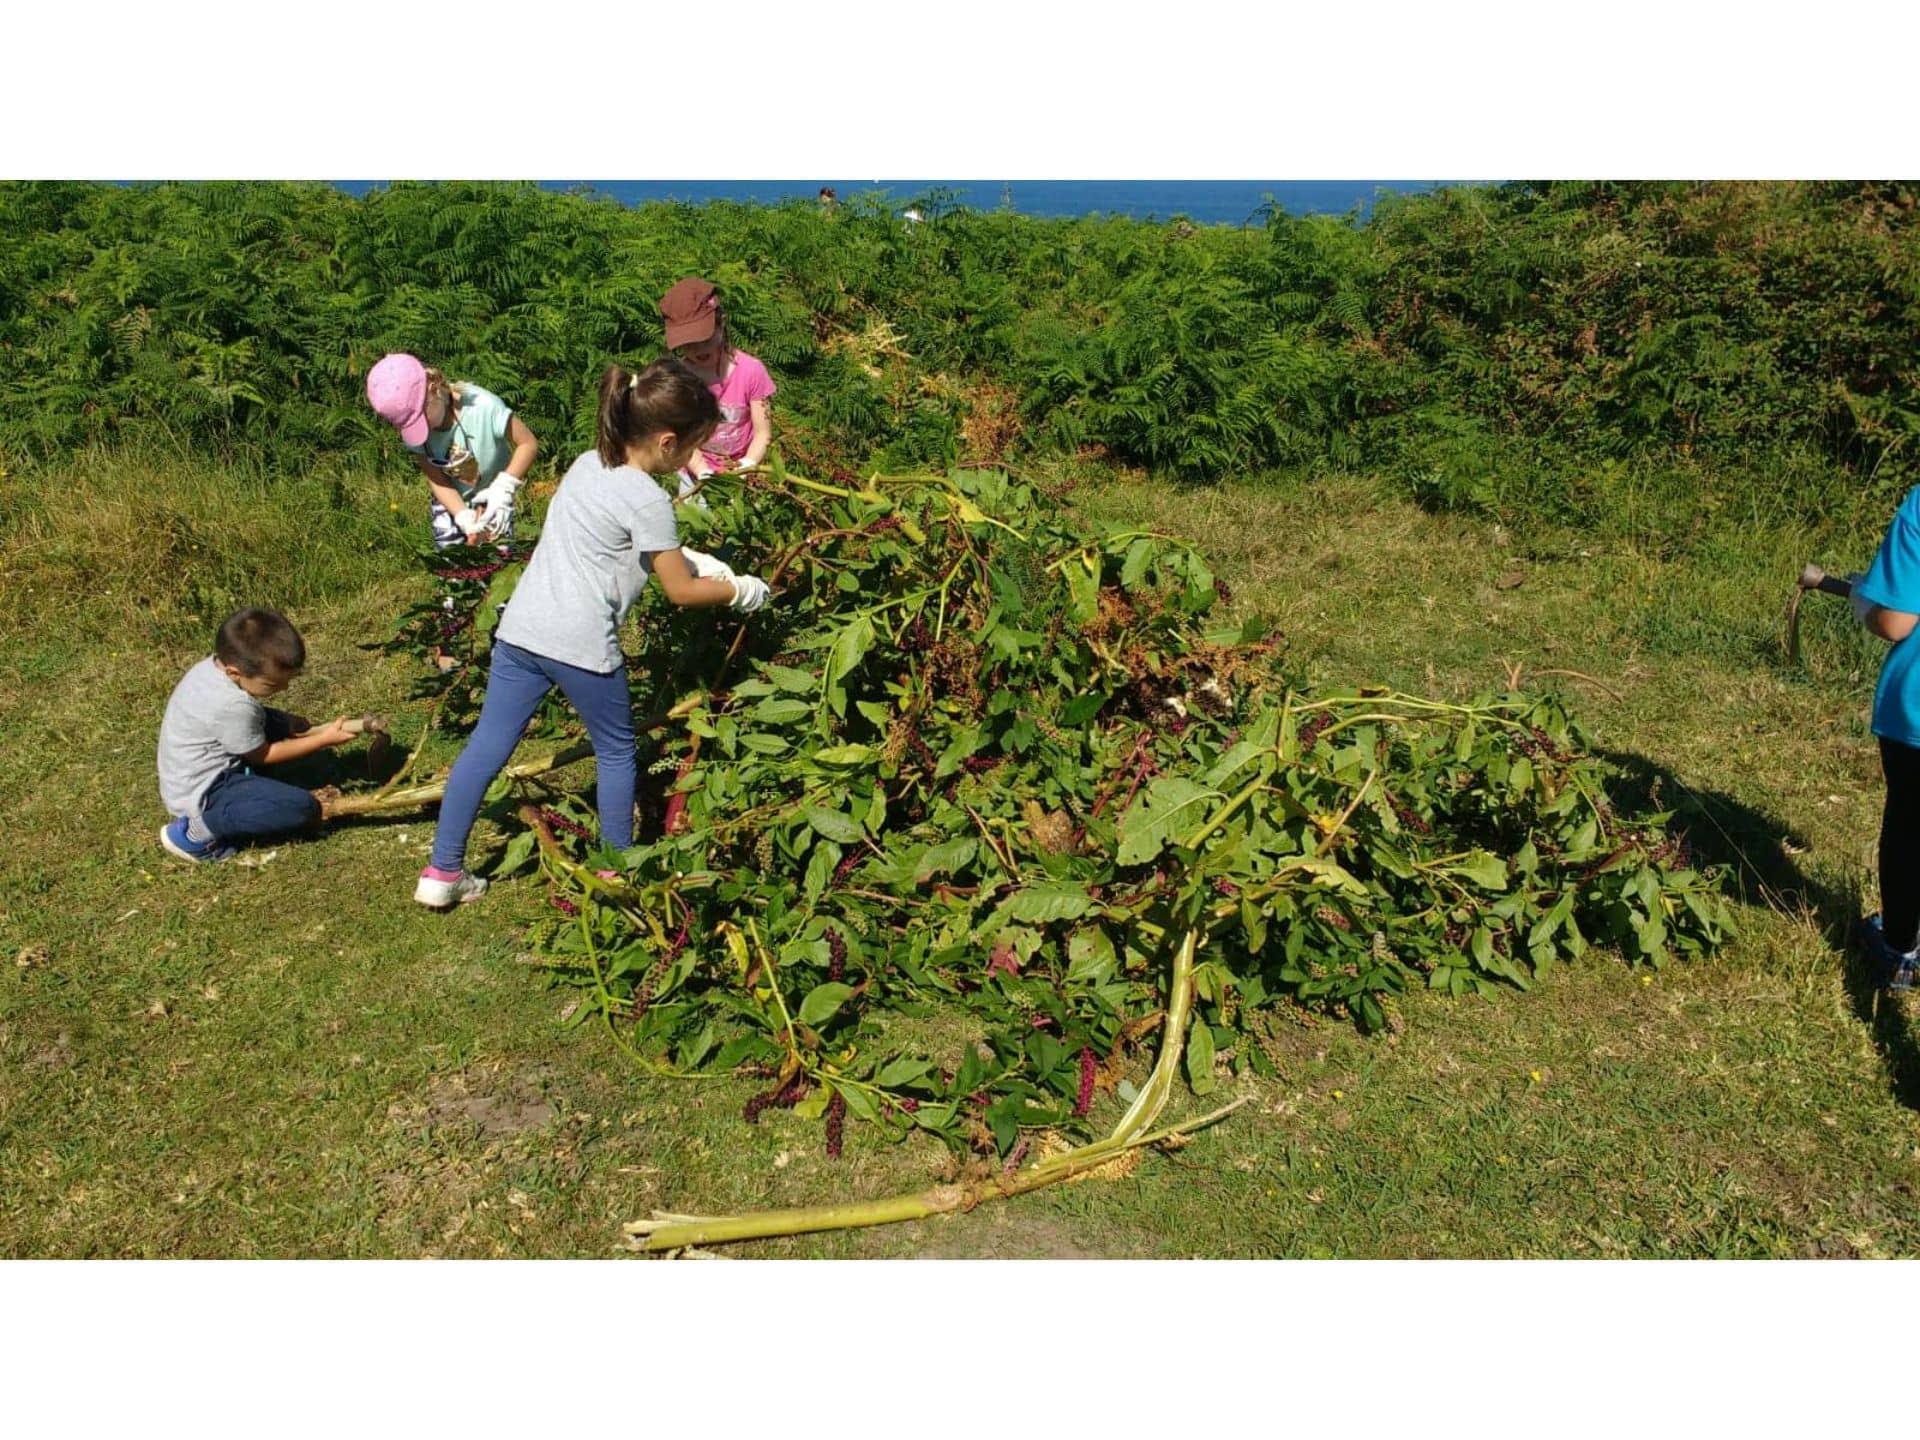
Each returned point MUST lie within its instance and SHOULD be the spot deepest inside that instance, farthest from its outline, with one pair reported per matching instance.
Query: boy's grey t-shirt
(590, 565)
(210, 723)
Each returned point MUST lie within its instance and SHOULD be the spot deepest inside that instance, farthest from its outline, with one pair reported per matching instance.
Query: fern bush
(1458, 339)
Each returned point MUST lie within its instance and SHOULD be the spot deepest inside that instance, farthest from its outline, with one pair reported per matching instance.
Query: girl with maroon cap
(697, 334)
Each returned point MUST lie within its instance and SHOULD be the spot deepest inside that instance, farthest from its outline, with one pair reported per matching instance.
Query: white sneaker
(445, 894)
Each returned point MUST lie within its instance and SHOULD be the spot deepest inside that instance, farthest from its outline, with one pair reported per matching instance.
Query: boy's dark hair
(258, 641)
(667, 395)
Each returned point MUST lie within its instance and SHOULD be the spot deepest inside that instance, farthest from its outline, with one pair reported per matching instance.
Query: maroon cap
(691, 309)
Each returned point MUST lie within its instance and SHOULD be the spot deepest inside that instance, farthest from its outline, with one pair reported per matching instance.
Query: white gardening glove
(468, 523)
(1862, 607)
(707, 567)
(498, 498)
(749, 593)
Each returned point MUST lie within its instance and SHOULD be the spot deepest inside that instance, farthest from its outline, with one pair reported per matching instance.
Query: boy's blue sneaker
(1893, 970)
(173, 836)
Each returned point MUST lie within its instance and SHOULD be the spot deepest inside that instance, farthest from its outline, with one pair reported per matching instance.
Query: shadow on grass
(347, 766)
(1758, 851)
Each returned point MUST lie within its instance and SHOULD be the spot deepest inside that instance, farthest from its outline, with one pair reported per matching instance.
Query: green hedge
(1527, 326)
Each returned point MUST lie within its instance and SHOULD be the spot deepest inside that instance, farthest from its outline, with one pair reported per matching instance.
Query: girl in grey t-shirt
(609, 527)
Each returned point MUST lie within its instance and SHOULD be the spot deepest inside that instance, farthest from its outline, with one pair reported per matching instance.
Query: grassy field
(290, 1058)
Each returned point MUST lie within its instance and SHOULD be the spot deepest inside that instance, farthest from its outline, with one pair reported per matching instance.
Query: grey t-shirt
(210, 723)
(590, 565)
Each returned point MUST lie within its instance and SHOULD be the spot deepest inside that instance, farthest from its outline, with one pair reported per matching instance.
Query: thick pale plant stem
(1133, 1131)
(415, 796)
(680, 1231)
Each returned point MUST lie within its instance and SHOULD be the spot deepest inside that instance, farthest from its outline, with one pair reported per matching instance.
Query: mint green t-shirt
(474, 449)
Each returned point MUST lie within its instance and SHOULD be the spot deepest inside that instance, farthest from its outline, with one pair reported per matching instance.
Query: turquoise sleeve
(1893, 580)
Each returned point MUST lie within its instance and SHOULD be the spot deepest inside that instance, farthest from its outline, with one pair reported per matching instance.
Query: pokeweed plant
(980, 775)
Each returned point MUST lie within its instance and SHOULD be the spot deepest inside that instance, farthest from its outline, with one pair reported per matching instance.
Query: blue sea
(1207, 202)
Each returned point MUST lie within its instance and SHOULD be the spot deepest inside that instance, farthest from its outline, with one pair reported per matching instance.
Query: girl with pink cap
(469, 444)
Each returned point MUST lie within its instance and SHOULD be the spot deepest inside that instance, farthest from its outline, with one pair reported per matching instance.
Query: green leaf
(820, 865)
(1247, 632)
(1008, 642)
(833, 824)
(1328, 873)
(487, 614)
(519, 850)
(1543, 929)
(1083, 592)
(1082, 708)
(1463, 743)
(946, 858)
(1520, 777)
(695, 1050)
(966, 739)
(800, 682)
(1489, 872)
(1134, 568)
(1003, 1118)
(903, 1071)
(1165, 810)
(1038, 904)
(1258, 742)
(858, 1100)
(1090, 957)
(849, 649)
(1253, 923)
(780, 712)
(1200, 1057)
(843, 755)
(822, 1002)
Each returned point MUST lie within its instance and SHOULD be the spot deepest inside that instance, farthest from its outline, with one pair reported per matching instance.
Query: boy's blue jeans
(241, 805)
(516, 684)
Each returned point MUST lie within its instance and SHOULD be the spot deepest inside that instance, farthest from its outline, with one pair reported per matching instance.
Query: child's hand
(338, 732)
(749, 593)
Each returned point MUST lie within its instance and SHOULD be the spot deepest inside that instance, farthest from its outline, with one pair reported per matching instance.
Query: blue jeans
(241, 805)
(516, 684)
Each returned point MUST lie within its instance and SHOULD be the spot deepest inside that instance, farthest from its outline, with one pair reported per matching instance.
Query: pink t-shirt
(747, 382)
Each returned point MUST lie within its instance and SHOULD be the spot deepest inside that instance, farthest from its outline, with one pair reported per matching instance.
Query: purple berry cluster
(836, 1125)
(783, 1097)
(837, 951)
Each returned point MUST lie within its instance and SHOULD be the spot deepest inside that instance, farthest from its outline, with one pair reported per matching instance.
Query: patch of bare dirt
(1003, 1236)
(498, 1106)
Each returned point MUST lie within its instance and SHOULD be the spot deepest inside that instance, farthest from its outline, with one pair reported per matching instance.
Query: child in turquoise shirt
(1887, 602)
(469, 444)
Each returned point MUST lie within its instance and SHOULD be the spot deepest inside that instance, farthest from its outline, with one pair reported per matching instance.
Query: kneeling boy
(216, 730)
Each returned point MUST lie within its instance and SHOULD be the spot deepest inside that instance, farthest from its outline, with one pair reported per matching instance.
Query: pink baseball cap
(397, 390)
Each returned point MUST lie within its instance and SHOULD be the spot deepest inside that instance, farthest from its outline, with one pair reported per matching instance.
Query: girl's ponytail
(616, 391)
(665, 396)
